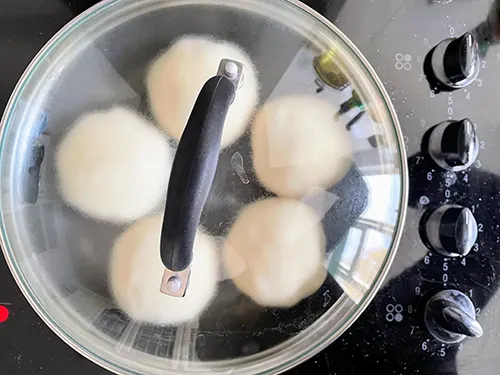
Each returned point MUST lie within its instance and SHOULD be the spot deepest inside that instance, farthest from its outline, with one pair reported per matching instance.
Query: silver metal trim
(439, 158)
(226, 67)
(432, 228)
(175, 284)
(438, 68)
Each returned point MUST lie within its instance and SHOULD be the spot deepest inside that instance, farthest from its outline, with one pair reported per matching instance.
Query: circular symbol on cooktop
(4, 314)
(423, 200)
(403, 61)
(394, 312)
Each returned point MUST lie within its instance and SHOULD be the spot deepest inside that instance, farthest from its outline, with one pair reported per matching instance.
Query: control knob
(450, 230)
(454, 145)
(450, 317)
(453, 63)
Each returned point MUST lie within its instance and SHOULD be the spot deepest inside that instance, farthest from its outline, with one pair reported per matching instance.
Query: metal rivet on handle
(174, 284)
(231, 69)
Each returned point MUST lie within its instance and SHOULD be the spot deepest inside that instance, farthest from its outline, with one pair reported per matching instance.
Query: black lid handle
(192, 175)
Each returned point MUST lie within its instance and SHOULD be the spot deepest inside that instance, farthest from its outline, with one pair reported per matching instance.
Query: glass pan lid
(305, 69)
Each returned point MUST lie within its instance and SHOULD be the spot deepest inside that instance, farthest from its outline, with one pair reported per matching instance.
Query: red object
(4, 314)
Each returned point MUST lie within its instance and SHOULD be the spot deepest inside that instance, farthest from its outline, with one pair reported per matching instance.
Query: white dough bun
(275, 252)
(136, 272)
(177, 76)
(113, 165)
(297, 145)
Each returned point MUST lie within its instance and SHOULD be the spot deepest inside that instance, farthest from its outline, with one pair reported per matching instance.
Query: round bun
(275, 252)
(136, 272)
(298, 145)
(176, 77)
(113, 165)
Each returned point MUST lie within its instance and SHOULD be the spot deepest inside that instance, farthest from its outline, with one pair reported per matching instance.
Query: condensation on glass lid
(65, 251)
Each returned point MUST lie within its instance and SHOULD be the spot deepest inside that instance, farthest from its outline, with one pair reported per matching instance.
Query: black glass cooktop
(391, 337)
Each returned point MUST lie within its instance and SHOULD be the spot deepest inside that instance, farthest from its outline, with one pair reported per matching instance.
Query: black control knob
(450, 230)
(453, 63)
(450, 317)
(454, 145)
